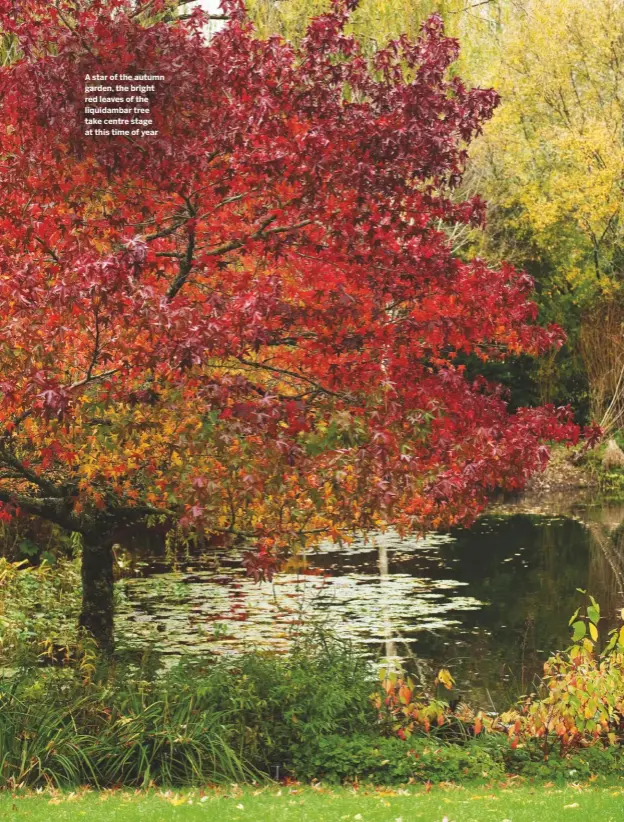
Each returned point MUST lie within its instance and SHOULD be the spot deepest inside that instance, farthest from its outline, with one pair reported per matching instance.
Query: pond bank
(567, 470)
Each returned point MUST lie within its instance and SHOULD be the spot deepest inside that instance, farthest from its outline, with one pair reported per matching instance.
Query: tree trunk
(97, 591)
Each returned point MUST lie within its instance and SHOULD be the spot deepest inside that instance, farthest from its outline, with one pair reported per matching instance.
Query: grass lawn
(274, 804)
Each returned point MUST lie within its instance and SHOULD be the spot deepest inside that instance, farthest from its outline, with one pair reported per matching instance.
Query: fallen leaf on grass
(573, 805)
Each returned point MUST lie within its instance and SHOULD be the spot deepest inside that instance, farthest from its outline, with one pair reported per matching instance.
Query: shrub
(394, 761)
(581, 700)
(319, 712)
(279, 704)
(38, 610)
(404, 710)
(57, 730)
(528, 760)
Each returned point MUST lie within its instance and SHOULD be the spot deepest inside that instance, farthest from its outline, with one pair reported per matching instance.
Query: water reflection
(489, 602)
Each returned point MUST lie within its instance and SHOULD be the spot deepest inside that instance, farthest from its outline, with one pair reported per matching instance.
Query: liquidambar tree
(247, 325)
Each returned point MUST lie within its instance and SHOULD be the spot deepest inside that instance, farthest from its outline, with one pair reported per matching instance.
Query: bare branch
(472, 6)
(293, 374)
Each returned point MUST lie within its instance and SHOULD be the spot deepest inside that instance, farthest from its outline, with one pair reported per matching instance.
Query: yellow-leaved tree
(552, 162)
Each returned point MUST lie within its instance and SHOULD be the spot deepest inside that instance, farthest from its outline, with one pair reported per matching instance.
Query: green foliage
(382, 761)
(610, 481)
(528, 760)
(581, 700)
(27, 538)
(320, 712)
(612, 484)
(57, 730)
(280, 705)
(196, 723)
(38, 609)
(309, 715)
(368, 758)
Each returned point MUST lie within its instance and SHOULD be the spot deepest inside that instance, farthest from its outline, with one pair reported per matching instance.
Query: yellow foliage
(555, 148)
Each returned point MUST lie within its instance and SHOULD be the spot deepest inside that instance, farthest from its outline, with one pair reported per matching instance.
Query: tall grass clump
(56, 730)
(203, 721)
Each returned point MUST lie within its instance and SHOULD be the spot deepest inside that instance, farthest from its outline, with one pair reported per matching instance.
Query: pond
(490, 603)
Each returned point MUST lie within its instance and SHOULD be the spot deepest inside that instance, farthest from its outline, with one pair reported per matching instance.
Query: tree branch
(96, 346)
(54, 510)
(321, 389)
(232, 245)
(28, 474)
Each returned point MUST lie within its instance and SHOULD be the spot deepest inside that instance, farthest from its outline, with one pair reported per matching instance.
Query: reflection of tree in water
(391, 654)
(414, 600)
(527, 569)
(606, 567)
(397, 653)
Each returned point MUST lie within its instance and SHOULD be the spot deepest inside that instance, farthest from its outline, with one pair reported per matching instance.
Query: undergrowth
(69, 717)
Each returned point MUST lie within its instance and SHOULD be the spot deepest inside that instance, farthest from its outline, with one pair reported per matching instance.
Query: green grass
(274, 804)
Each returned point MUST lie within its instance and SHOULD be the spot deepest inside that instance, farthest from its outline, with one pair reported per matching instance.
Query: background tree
(248, 325)
(552, 160)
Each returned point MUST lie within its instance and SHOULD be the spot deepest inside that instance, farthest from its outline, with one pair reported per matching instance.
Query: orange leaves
(407, 710)
(581, 699)
(271, 323)
(405, 694)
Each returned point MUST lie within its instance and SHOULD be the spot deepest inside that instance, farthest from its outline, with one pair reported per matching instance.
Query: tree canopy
(250, 325)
